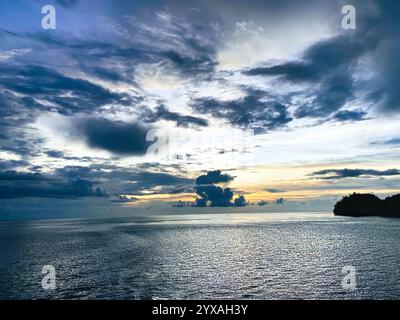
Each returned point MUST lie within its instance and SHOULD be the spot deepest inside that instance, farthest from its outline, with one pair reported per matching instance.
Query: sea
(202, 256)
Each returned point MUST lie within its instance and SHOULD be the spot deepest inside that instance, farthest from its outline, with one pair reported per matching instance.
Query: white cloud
(10, 54)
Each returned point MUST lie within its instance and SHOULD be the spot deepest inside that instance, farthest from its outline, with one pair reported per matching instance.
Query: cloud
(253, 111)
(67, 3)
(9, 54)
(366, 57)
(142, 179)
(387, 67)
(117, 137)
(393, 141)
(320, 59)
(23, 176)
(213, 177)
(350, 115)
(66, 94)
(333, 71)
(203, 63)
(12, 164)
(183, 43)
(275, 190)
(105, 74)
(240, 201)
(55, 154)
(23, 185)
(124, 199)
(181, 121)
(353, 173)
(80, 70)
(145, 182)
(15, 114)
(215, 196)
(332, 94)
(327, 67)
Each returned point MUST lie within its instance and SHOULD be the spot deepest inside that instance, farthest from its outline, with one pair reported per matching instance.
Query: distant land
(368, 205)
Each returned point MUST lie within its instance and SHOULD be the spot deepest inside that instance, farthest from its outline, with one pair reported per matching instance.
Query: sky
(203, 106)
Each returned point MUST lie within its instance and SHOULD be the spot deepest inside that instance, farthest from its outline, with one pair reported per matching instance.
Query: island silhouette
(368, 205)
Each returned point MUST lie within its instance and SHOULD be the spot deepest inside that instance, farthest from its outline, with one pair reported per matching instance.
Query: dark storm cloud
(15, 184)
(15, 113)
(202, 63)
(216, 196)
(319, 60)
(162, 113)
(105, 74)
(139, 180)
(331, 64)
(386, 29)
(23, 176)
(213, 177)
(240, 201)
(117, 137)
(20, 147)
(55, 154)
(25, 86)
(328, 65)
(75, 172)
(68, 94)
(90, 57)
(12, 164)
(213, 195)
(11, 103)
(333, 94)
(253, 111)
(350, 115)
(353, 173)
(188, 42)
(280, 201)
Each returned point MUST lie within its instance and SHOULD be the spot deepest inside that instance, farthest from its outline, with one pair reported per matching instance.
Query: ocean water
(212, 256)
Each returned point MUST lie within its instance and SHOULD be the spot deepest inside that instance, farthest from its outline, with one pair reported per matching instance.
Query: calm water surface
(238, 256)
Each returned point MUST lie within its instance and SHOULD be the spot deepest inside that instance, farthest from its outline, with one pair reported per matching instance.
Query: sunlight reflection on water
(257, 256)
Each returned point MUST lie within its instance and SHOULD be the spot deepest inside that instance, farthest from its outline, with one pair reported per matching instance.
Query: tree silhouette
(361, 205)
